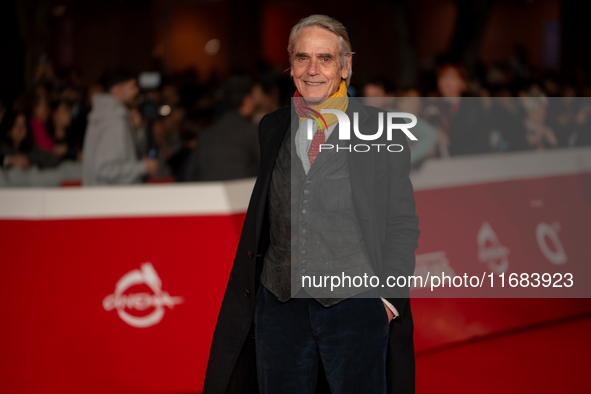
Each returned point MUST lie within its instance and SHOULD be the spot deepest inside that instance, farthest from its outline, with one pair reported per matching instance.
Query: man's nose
(313, 68)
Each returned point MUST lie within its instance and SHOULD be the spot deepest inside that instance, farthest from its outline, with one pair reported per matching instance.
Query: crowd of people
(507, 114)
(154, 127)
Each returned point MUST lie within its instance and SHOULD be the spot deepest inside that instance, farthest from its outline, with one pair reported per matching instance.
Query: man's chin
(314, 99)
(313, 94)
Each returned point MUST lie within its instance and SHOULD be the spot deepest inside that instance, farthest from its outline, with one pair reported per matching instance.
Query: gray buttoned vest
(314, 230)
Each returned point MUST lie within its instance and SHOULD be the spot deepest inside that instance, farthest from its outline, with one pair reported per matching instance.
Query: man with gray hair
(320, 211)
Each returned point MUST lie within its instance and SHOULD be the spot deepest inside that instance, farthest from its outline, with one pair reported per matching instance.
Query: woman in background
(39, 112)
(61, 120)
(464, 125)
(538, 134)
(17, 148)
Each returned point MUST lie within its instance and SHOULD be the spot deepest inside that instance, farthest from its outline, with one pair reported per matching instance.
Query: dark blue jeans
(351, 339)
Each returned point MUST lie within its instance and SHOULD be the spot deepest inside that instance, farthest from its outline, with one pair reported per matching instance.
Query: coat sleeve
(264, 125)
(402, 225)
(113, 166)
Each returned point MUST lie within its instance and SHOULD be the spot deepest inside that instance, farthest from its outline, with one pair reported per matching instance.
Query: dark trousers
(351, 339)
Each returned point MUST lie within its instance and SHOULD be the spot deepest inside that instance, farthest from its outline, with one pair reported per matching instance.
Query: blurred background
(501, 170)
(183, 52)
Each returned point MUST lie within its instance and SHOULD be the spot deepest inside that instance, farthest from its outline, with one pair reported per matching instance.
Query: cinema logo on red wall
(491, 251)
(140, 309)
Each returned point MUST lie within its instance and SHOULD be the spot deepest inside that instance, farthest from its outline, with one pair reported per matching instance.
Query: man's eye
(325, 59)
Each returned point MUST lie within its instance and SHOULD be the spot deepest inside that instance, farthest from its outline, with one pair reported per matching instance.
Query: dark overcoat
(384, 202)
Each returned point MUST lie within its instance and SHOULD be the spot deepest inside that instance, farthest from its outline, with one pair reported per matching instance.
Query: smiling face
(315, 67)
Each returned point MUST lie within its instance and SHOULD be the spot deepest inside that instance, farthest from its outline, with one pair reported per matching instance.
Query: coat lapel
(274, 138)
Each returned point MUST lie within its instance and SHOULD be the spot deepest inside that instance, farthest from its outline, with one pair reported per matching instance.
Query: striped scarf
(336, 101)
(312, 114)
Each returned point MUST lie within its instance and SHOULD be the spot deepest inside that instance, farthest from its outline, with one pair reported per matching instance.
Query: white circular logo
(490, 250)
(140, 301)
(545, 232)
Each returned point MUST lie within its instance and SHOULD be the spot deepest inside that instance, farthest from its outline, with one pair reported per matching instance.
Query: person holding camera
(109, 153)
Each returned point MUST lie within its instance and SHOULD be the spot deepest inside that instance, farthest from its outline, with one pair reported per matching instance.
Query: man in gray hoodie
(109, 153)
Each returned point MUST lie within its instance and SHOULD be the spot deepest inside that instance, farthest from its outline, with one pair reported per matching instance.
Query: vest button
(250, 254)
(305, 201)
(247, 293)
(303, 252)
(306, 192)
(303, 231)
(303, 242)
(304, 261)
(303, 271)
(304, 211)
(308, 182)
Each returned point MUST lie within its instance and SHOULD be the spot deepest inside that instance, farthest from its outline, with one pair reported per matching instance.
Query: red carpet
(554, 358)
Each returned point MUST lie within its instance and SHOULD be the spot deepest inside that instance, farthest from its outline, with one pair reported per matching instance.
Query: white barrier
(232, 197)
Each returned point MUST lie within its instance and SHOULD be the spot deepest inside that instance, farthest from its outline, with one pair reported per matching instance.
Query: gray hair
(330, 24)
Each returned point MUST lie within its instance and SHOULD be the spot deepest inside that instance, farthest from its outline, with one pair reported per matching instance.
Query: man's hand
(151, 165)
(389, 312)
(60, 149)
(137, 121)
(18, 160)
(443, 138)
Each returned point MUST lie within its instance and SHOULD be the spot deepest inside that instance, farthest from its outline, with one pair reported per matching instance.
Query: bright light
(212, 47)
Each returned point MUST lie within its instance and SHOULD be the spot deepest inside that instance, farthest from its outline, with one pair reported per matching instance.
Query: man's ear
(346, 68)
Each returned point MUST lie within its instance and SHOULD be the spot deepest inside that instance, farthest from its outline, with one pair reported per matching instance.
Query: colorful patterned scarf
(336, 101)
